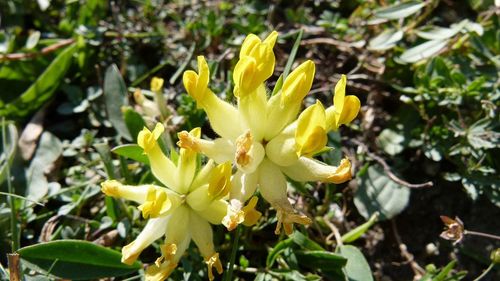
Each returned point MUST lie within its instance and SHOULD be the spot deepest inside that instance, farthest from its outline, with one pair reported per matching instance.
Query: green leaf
(386, 40)
(134, 122)
(401, 10)
(293, 53)
(391, 141)
(326, 261)
(77, 260)
(354, 234)
(48, 151)
(378, 193)
(423, 51)
(277, 250)
(9, 151)
(115, 95)
(357, 268)
(104, 152)
(444, 272)
(33, 40)
(132, 151)
(43, 88)
(480, 135)
(304, 242)
(441, 33)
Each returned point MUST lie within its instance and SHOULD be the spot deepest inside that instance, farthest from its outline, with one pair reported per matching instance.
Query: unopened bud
(495, 256)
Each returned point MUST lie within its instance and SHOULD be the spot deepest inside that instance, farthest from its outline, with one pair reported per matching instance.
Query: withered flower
(454, 229)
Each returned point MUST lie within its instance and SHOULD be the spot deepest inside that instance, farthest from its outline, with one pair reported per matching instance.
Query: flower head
(182, 209)
(267, 137)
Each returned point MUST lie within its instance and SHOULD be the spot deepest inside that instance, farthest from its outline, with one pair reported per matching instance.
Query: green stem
(12, 202)
(485, 272)
(229, 275)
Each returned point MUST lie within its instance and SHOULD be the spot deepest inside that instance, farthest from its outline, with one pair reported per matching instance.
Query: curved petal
(282, 149)
(162, 167)
(215, 211)
(224, 118)
(203, 176)
(310, 136)
(243, 185)
(220, 150)
(307, 169)
(273, 185)
(202, 235)
(155, 200)
(154, 229)
(252, 108)
(284, 107)
(344, 109)
(186, 164)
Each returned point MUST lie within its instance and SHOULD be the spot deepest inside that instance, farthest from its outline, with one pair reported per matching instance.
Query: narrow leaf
(293, 53)
(386, 40)
(43, 88)
(423, 51)
(323, 260)
(76, 260)
(401, 10)
(9, 151)
(304, 242)
(354, 234)
(115, 94)
(277, 250)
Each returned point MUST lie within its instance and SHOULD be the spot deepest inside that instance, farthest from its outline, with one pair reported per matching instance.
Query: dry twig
(44, 51)
(388, 171)
(417, 269)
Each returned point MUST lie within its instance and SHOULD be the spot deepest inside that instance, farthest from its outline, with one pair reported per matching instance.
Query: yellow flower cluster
(266, 138)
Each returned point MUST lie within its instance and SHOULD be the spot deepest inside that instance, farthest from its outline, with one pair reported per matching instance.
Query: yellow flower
(264, 136)
(181, 210)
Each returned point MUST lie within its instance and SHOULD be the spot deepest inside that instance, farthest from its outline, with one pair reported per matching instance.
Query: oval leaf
(132, 151)
(77, 260)
(357, 268)
(401, 10)
(386, 40)
(49, 150)
(422, 51)
(115, 95)
(378, 193)
(33, 40)
(133, 121)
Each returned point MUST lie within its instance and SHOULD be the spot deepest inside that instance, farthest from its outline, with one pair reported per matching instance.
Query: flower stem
(229, 274)
(487, 235)
(12, 202)
(485, 272)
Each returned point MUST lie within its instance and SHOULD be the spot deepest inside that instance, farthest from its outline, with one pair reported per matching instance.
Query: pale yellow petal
(307, 169)
(154, 229)
(252, 108)
(243, 185)
(215, 211)
(162, 167)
